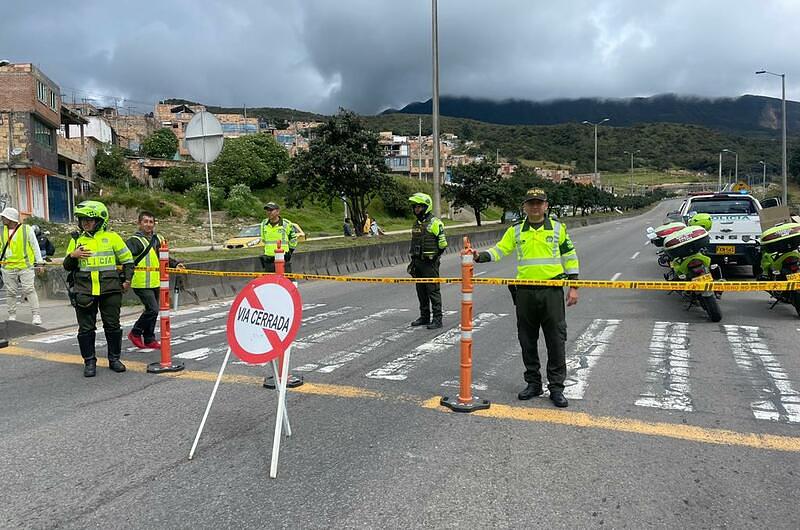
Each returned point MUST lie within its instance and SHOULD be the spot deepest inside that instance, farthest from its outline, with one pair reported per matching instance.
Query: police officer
(146, 283)
(273, 229)
(428, 243)
(92, 258)
(544, 252)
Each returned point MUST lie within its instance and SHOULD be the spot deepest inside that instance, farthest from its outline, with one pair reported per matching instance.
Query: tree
(254, 160)
(161, 144)
(793, 167)
(475, 185)
(180, 179)
(110, 165)
(344, 160)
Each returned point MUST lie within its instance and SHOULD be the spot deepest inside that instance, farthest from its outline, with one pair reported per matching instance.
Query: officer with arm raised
(544, 252)
(92, 258)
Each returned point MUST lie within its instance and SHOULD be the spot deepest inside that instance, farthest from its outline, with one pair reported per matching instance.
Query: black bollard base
(157, 368)
(470, 406)
(293, 382)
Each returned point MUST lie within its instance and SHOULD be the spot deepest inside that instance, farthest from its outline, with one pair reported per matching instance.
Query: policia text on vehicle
(92, 259)
(544, 252)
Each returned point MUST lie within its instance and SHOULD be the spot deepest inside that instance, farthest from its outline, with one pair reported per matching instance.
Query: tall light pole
(763, 177)
(783, 132)
(631, 153)
(736, 171)
(437, 209)
(596, 176)
(719, 186)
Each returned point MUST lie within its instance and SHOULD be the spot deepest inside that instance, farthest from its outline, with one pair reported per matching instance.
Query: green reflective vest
(20, 253)
(283, 231)
(143, 278)
(545, 253)
(98, 273)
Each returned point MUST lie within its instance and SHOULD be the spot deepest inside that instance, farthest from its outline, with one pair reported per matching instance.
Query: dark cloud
(368, 55)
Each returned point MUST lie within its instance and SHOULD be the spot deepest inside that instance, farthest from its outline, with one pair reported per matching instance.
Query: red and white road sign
(264, 319)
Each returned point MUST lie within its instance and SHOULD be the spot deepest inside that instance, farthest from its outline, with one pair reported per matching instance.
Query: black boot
(422, 321)
(436, 323)
(86, 345)
(114, 340)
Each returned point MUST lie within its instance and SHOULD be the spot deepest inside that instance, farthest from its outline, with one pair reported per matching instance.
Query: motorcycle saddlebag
(664, 230)
(685, 242)
(782, 238)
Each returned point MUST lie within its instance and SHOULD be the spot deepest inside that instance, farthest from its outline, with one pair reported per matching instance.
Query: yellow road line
(557, 417)
(665, 430)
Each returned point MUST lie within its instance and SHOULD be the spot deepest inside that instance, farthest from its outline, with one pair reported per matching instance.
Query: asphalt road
(673, 420)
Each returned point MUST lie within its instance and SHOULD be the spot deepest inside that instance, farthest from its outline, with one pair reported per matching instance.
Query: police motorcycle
(780, 260)
(657, 235)
(684, 253)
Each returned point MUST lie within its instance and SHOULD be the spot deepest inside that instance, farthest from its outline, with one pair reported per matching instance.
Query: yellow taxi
(250, 237)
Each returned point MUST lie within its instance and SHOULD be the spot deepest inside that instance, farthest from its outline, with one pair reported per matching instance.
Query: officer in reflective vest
(146, 281)
(273, 229)
(428, 243)
(544, 252)
(20, 255)
(92, 258)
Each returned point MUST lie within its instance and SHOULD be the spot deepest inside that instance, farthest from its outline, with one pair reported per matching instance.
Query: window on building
(41, 91)
(42, 134)
(53, 100)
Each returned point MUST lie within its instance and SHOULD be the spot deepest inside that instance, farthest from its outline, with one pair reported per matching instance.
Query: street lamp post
(783, 130)
(763, 177)
(736, 171)
(435, 104)
(631, 153)
(596, 175)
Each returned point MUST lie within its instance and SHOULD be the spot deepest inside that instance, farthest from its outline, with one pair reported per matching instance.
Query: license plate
(703, 278)
(794, 277)
(726, 249)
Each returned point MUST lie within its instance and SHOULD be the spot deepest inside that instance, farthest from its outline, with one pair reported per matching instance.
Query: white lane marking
(329, 314)
(338, 359)
(776, 400)
(397, 370)
(635, 255)
(330, 334)
(588, 348)
(198, 355)
(307, 307)
(616, 275)
(668, 368)
(482, 382)
(647, 243)
(480, 273)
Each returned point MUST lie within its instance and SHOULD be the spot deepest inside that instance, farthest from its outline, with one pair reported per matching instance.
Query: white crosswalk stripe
(397, 370)
(776, 399)
(668, 369)
(589, 347)
(330, 334)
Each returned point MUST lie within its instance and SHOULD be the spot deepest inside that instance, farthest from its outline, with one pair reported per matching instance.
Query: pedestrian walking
(146, 282)
(428, 243)
(276, 229)
(544, 252)
(21, 259)
(93, 254)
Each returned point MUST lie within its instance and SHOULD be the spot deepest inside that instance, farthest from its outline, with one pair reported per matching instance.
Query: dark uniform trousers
(86, 307)
(268, 262)
(146, 324)
(542, 307)
(429, 294)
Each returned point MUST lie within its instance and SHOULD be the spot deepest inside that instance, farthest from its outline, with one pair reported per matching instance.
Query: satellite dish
(17, 151)
(204, 137)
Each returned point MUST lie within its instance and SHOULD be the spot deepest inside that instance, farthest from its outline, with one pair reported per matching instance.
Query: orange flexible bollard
(166, 364)
(466, 402)
(294, 381)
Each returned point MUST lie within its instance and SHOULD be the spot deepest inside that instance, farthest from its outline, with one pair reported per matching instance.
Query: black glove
(288, 255)
(483, 257)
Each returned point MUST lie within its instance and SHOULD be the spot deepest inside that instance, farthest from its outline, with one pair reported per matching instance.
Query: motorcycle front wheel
(711, 306)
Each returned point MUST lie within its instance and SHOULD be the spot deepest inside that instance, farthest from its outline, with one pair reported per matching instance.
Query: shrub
(180, 179)
(395, 197)
(242, 203)
(198, 195)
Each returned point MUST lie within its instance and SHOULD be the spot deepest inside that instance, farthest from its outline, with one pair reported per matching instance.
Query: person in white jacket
(20, 257)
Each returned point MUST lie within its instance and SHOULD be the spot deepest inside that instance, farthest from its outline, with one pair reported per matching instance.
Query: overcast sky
(368, 55)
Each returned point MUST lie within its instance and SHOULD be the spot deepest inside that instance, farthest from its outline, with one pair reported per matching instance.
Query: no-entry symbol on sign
(264, 319)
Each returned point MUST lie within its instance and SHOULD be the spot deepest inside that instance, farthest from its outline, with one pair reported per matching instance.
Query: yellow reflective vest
(545, 253)
(98, 273)
(142, 277)
(283, 231)
(20, 253)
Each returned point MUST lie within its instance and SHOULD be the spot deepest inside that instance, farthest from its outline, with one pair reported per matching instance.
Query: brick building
(34, 177)
(177, 117)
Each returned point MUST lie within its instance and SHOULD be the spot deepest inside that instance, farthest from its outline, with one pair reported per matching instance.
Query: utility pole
(419, 150)
(437, 208)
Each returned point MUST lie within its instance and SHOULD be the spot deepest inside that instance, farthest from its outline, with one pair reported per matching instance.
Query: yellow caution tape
(721, 286)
